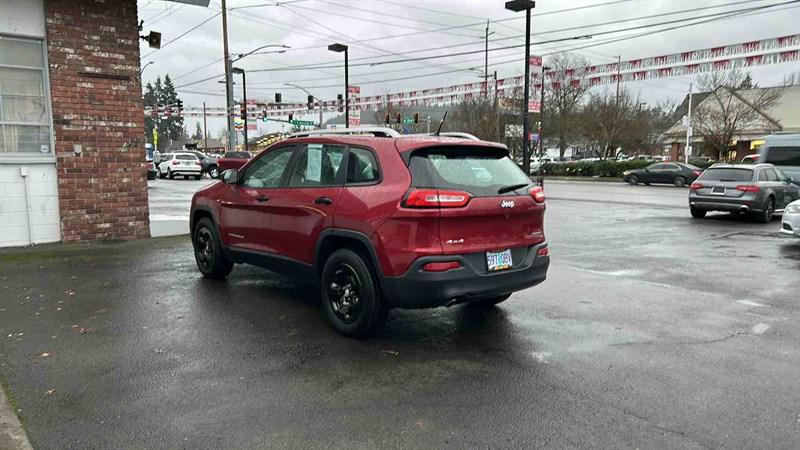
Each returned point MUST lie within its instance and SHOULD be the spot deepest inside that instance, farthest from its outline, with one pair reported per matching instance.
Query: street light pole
(319, 101)
(339, 48)
(517, 6)
(144, 67)
(244, 101)
(228, 81)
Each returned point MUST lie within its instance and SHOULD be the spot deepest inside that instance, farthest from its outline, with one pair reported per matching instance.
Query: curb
(12, 435)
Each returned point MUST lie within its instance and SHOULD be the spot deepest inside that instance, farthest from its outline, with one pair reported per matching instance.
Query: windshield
(479, 171)
(186, 157)
(237, 155)
(727, 175)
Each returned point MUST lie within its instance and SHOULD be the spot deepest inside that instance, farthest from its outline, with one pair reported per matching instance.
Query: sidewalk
(12, 435)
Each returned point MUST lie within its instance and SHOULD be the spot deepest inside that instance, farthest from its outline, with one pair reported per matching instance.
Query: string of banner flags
(742, 55)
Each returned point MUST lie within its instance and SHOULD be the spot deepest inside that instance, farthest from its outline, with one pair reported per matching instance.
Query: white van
(783, 151)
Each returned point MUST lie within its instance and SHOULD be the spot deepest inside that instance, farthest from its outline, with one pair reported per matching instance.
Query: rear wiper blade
(512, 187)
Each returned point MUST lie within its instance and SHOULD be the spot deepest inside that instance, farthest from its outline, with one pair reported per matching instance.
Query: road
(653, 330)
(170, 201)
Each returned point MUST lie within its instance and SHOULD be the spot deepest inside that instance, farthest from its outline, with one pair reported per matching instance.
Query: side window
(267, 171)
(362, 167)
(762, 175)
(317, 165)
(772, 175)
(658, 167)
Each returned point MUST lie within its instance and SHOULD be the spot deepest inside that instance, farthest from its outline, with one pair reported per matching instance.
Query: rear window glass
(186, 157)
(237, 155)
(727, 175)
(479, 171)
(783, 156)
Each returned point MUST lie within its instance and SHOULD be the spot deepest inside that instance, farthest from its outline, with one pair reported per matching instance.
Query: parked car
(791, 219)
(783, 151)
(152, 172)
(761, 190)
(378, 223)
(749, 159)
(231, 160)
(207, 164)
(676, 173)
(179, 164)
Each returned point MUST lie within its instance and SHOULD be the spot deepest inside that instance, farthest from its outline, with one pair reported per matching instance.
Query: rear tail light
(544, 251)
(697, 173)
(442, 266)
(747, 188)
(696, 186)
(436, 198)
(537, 192)
(197, 163)
(175, 163)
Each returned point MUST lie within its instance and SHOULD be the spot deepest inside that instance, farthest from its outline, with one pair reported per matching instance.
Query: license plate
(498, 260)
(187, 164)
(718, 190)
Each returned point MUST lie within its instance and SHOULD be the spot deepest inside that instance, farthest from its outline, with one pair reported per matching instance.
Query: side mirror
(230, 176)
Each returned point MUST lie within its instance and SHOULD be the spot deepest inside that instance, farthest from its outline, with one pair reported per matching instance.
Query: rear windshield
(186, 157)
(237, 155)
(480, 171)
(727, 175)
(783, 156)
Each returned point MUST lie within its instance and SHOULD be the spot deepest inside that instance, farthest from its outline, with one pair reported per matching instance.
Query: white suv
(185, 164)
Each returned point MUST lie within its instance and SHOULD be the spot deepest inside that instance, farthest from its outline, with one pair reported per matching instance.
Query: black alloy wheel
(208, 251)
(769, 210)
(633, 180)
(679, 181)
(343, 294)
(350, 295)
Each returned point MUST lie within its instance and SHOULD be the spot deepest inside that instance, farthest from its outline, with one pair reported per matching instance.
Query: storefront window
(24, 117)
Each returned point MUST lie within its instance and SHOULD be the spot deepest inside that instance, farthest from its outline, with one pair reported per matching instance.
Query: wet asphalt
(653, 330)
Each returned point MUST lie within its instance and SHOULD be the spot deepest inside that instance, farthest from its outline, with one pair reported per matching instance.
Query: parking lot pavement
(170, 201)
(653, 330)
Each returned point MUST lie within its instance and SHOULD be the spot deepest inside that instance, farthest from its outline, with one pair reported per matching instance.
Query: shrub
(593, 168)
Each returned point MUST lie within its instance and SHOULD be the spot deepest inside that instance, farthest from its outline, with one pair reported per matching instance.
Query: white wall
(42, 205)
(22, 17)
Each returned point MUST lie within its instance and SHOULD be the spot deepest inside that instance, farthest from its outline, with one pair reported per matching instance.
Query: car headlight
(793, 209)
(626, 173)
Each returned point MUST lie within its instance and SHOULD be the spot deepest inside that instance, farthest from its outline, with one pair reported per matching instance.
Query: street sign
(303, 122)
(534, 106)
(534, 137)
(535, 61)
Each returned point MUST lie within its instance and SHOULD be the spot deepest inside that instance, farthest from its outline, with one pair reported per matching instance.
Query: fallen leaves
(50, 391)
(81, 329)
(46, 354)
(390, 352)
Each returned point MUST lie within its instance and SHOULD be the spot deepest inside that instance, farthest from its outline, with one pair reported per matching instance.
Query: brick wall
(93, 52)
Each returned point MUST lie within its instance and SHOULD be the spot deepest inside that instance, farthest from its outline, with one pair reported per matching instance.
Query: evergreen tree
(169, 128)
(198, 133)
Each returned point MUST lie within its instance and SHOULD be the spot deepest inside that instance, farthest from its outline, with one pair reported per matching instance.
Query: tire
(633, 180)
(350, 295)
(697, 213)
(208, 251)
(161, 175)
(170, 174)
(213, 172)
(489, 302)
(765, 216)
(679, 181)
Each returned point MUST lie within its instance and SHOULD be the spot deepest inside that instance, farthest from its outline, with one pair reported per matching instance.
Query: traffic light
(278, 97)
(399, 118)
(340, 99)
(310, 102)
(291, 116)
(180, 105)
(387, 118)
(416, 117)
(263, 115)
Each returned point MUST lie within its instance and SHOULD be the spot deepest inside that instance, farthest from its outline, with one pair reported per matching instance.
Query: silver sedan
(791, 219)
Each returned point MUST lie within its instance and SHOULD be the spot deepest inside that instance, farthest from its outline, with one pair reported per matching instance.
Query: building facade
(71, 122)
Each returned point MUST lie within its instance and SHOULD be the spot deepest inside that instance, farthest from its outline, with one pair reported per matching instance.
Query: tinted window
(727, 175)
(317, 165)
(657, 166)
(783, 156)
(237, 155)
(479, 171)
(362, 166)
(267, 171)
(186, 157)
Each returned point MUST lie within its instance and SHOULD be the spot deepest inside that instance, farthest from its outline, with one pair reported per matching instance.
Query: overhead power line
(182, 34)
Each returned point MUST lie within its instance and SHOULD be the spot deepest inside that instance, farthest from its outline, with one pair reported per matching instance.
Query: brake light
(175, 163)
(537, 192)
(747, 188)
(436, 198)
(544, 251)
(696, 186)
(443, 266)
(697, 173)
(197, 163)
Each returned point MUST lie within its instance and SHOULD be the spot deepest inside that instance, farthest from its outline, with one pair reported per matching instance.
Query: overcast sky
(308, 26)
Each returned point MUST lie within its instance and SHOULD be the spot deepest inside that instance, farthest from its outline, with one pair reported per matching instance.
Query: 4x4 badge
(507, 204)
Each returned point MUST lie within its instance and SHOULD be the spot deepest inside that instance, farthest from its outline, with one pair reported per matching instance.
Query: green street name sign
(303, 122)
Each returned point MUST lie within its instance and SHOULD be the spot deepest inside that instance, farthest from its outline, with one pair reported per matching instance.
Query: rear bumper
(419, 289)
(724, 204)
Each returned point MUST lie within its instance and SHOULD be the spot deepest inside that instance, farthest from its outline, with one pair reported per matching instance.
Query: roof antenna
(439, 130)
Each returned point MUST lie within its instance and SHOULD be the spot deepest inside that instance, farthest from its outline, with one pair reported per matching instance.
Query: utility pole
(486, 61)
(496, 111)
(687, 150)
(228, 81)
(205, 127)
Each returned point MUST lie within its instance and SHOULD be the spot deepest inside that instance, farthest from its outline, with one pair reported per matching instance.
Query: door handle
(323, 201)
(262, 198)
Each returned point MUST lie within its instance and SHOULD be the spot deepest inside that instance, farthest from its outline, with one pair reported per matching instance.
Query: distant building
(784, 116)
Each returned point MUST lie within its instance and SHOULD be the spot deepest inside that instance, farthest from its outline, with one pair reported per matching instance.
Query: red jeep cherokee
(378, 223)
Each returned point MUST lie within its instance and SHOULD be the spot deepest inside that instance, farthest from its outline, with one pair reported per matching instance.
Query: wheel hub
(343, 294)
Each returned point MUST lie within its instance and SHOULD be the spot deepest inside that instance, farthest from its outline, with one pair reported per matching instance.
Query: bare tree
(731, 107)
(564, 92)
(607, 117)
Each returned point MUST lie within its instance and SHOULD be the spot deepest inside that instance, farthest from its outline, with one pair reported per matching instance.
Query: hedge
(593, 168)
